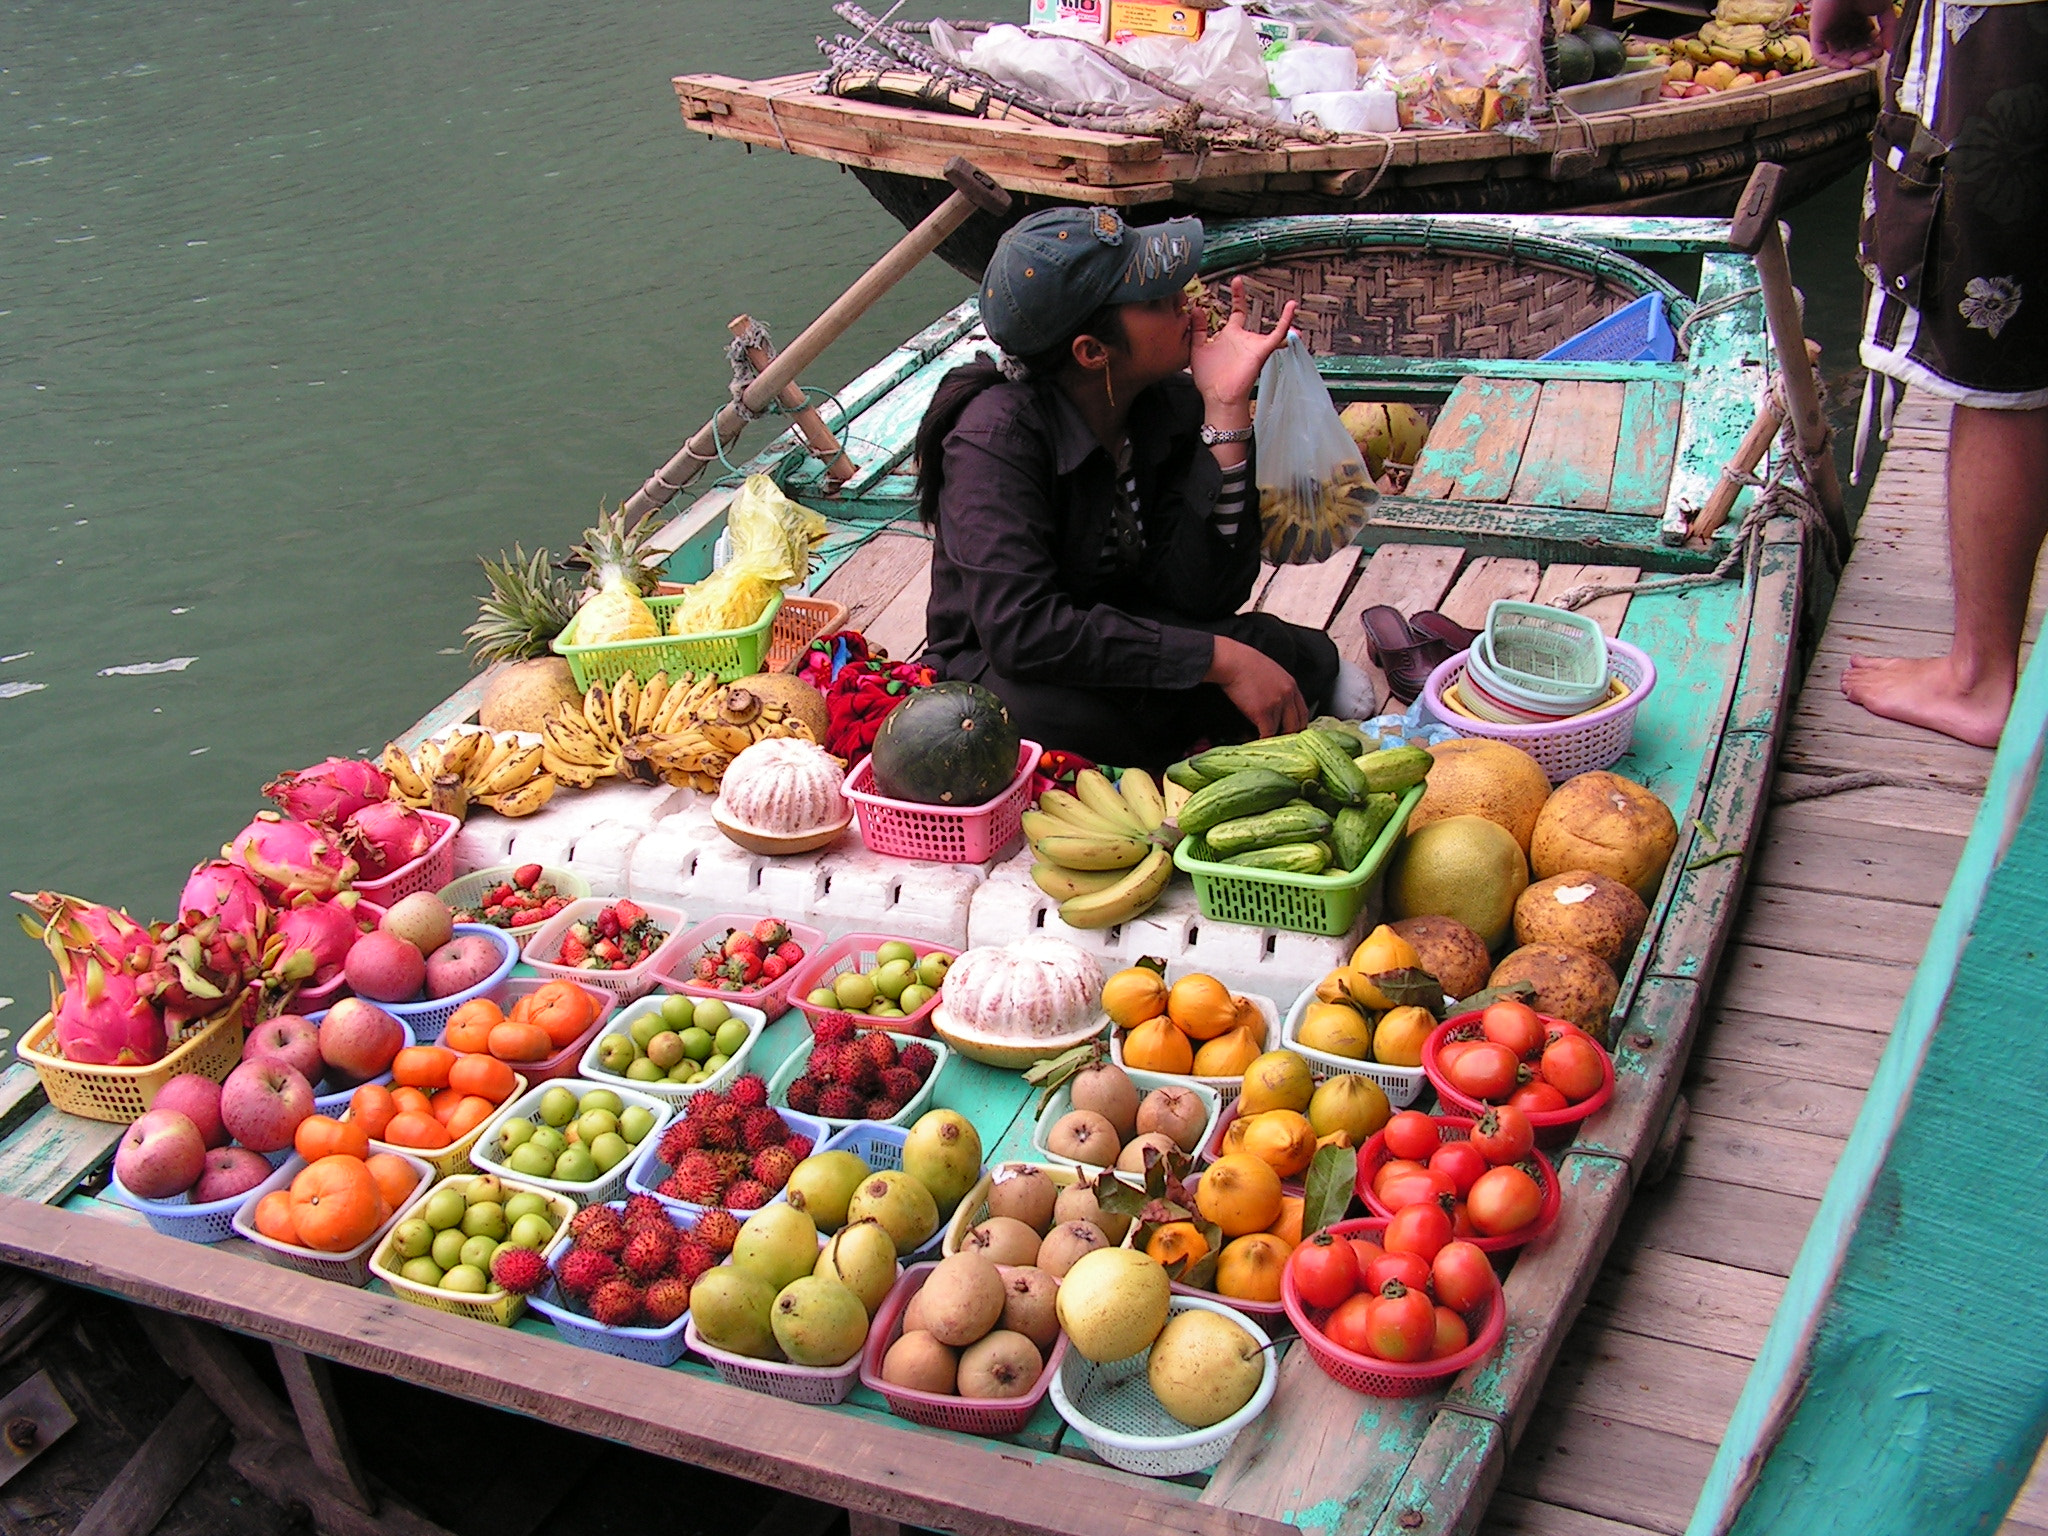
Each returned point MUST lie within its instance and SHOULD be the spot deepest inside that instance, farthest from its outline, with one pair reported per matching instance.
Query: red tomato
(1451, 1334)
(1451, 1050)
(1504, 1200)
(1514, 1025)
(1365, 1251)
(1402, 1324)
(1393, 1169)
(1461, 1161)
(1425, 1187)
(1411, 1133)
(1462, 1276)
(1346, 1327)
(1572, 1064)
(1504, 1134)
(1411, 1269)
(1325, 1270)
(1487, 1071)
(1538, 1097)
(1418, 1229)
(1461, 1221)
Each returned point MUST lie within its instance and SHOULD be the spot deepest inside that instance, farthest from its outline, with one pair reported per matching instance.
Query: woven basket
(121, 1094)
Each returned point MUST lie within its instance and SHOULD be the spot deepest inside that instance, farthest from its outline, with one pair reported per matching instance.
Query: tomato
(1411, 1133)
(1504, 1200)
(1388, 1172)
(1424, 1188)
(1418, 1229)
(1461, 1161)
(1401, 1324)
(1487, 1071)
(1451, 1334)
(1411, 1269)
(1514, 1025)
(1365, 1251)
(1346, 1327)
(1538, 1097)
(1504, 1134)
(1461, 1221)
(1572, 1064)
(1325, 1270)
(1462, 1276)
(1451, 1050)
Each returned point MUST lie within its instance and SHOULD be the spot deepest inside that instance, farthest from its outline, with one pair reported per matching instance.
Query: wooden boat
(1538, 475)
(1671, 157)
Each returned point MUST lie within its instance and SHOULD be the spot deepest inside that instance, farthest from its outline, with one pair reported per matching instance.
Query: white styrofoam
(485, 839)
(604, 855)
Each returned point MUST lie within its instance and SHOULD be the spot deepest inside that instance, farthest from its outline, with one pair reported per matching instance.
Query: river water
(304, 306)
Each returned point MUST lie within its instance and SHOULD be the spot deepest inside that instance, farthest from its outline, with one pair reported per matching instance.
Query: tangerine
(422, 1066)
(472, 1112)
(371, 1107)
(1177, 1242)
(334, 1204)
(485, 1076)
(1249, 1268)
(274, 1218)
(319, 1136)
(416, 1128)
(394, 1175)
(521, 1042)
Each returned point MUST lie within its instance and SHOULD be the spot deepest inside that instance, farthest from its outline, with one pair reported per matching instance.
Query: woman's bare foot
(1928, 691)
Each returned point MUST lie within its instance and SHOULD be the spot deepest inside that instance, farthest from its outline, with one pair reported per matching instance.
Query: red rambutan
(722, 1127)
(732, 1165)
(698, 1182)
(648, 1251)
(683, 1136)
(900, 1083)
(879, 1049)
(763, 1128)
(853, 1070)
(881, 1109)
(617, 1303)
(717, 1230)
(749, 1092)
(773, 1165)
(583, 1270)
(748, 1195)
(839, 1103)
(599, 1228)
(803, 1095)
(919, 1058)
(834, 1028)
(643, 1210)
(518, 1270)
(700, 1105)
(799, 1147)
(824, 1060)
(694, 1256)
(667, 1299)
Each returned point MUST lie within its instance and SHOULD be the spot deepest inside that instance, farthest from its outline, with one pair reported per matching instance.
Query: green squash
(951, 744)
(1610, 55)
(1574, 60)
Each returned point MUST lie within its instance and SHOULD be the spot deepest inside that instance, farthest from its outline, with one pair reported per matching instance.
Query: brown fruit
(1610, 825)
(1584, 910)
(1573, 984)
(1023, 1193)
(1065, 1243)
(920, 1362)
(1084, 1136)
(1000, 1366)
(793, 694)
(523, 695)
(1451, 952)
(1002, 1240)
(1031, 1303)
(1177, 1113)
(1077, 1202)
(1473, 776)
(1107, 1089)
(1132, 1158)
(963, 1299)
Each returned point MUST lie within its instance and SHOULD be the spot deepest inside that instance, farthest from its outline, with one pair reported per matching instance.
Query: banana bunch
(684, 731)
(1570, 15)
(1769, 14)
(472, 767)
(1746, 45)
(1306, 523)
(1102, 851)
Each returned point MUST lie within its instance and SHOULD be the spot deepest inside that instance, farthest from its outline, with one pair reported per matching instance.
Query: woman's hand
(1842, 35)
(1227, 365)
(1264, 692)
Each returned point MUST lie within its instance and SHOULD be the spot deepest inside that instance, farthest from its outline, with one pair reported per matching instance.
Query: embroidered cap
(1059, 266)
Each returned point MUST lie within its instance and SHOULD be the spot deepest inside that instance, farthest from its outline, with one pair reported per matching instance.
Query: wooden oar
(972, 191)
(809, 424)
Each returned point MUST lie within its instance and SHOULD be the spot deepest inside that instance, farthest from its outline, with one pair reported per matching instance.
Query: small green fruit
(882, 1008)
(533, 1160)
(549, 1140)
(647, 1025)
(685, 1071)
(893, 950)
(593, 1123)
(609, 1150)
(422, 1271)
(478, 1251)
(732, 1034)
(514, 1134)
(526, 1203)
(710, 1013)
(486, 1220)
(678, 1012)
(600, 1098)
(530, 1231)
(484, 1189)
(665, 1049)
(822, 997)
(558, 1106)
(915, 996)
(447, 1249)
(891, 979)
(615, 1053)
(644, 1070)
(931, 970)
(413, 1238)
(466, 1278)
(697, 1043)
(714, 1064)
(444, 1209)
(854, 991)
(635, 1123)
(576, 1166)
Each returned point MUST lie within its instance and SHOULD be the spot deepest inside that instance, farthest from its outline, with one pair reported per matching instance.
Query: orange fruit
(485, 1076)
(1249, 1268)
(1176, 1242)
(410, 1101)
(1228, 1054)
(561, 1008)
(469, 1114)
(445, 1102)
(318, 1137)
(1288, 1227)
(1280, 1137)
(371, 1107)
(521, 1042)
(1240, 1193)
(1156, 1046)
(274, 1218)
(416, 1128)
(1132, 996)
(1202, 1007)
(334, 1204)
(422, 1066)
(395, 1179)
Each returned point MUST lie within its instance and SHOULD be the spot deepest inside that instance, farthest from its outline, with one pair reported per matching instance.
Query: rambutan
(900, 1083)
(683, 1136)
(881, 1109)
(717, 1230)
(919, 1058)
(722, 1127)
(839, 1103)
(748, 1195)
(773, 1165)
(855, 1071)
(824, 1062)
(799, 1147)
(648, 1251)
(694, 1257)
(617, 1303)
(518, 1270)
(749, 1092)
(699, 1183)
(879, 1049)
(803, 1095)
(583, 1270)
(763, 1128)
(700, 1105)
(732, 1165)
(667, 1299)
(833, 1028)
(599, 1228)
(644, 1210)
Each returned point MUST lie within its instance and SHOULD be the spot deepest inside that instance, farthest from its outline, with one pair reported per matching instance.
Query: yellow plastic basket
(500, 1307)
(121, 1094)
(453, 1159)
(730, 653)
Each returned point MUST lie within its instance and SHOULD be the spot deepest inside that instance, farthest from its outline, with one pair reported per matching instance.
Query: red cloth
(860, 688)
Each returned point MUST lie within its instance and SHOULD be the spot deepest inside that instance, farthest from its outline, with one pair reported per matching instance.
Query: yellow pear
(1277, 1080)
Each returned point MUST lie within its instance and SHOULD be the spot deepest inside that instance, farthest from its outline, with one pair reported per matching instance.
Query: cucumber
(1298, 822)
(1244, 793)
(1395, 768)
(1289, 858)
(1186, 775)
(1357, 827)
(1343, 778)
(1283, 754)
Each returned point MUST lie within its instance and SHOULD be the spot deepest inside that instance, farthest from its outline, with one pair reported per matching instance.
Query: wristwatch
(1211, 436)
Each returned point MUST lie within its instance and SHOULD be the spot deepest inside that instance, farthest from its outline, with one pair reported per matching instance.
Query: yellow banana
(1061, 883)
(577, 742)
(1093, 789)
(1140, 792)
(525, 800)
(515, 771)
(431, 766)
(625, 701)
(597, 710)
(652, 692)
(1063, 807)
(579, 775)
(399, 769)
(458, 749)
(1083, 851)
(1119, 903)
(484, 761)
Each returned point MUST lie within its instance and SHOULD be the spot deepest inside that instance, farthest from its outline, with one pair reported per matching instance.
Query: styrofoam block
(724, 877)
(933, 900)
(604, 857)
(1003, 912)
(543, 845)
(485, 839)
(665, 859)
(789, 886)
(632, 805)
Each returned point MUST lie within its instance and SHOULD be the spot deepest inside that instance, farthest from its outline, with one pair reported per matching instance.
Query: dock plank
(1475, 448)
(1798, 1048)
(1408, 577)
(1308, 594)
(1686, 1300)
(899, 628)
(1611, 1469)
(1568, 460)
(873, 574)
(1487, 580)
(1830, 989)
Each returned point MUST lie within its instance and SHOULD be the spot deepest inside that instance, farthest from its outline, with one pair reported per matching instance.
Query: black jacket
(1018, 582)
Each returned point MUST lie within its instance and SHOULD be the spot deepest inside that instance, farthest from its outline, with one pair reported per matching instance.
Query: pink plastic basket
(429, 872)
(769, 997)
(566, 1062)
(1373, 1156)
(938, 833)
(544, 949)
(1387, 1378)
(818, 1385)
(1553, 1126)
(1564, 747)
(857, 952)
(968, 1415)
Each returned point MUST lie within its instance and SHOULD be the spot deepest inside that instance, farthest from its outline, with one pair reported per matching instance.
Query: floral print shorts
(1955, 213)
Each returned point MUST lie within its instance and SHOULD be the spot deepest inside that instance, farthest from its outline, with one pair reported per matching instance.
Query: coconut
(1585, 910)
(524, 695)
(794, 695)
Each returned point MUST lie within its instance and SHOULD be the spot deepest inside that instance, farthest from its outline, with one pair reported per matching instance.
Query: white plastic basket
(190, 1221)
(1063, 1100)
(646, 1170)
(606, 1186)
(674, 1093)
(1402, 1085)
(819, 1385)
(1227, 1088)
(649, 1346)
(349, 1267)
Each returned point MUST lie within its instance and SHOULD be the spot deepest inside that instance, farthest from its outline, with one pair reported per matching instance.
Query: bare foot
(1926, 691)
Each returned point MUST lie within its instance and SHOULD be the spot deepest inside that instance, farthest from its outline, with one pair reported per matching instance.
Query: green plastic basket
(730, 653)
(1271, 898)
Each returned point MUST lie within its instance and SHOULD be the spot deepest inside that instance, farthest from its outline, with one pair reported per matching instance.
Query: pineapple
(530, 604)
(620, 571)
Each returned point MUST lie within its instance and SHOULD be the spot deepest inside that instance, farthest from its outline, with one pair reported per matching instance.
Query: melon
(1464, 867)
(1472, 776)
(1610, 825)
(951, 744)
(793, 694)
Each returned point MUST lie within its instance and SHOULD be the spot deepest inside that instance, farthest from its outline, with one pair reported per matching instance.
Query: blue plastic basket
(881, 1146)
(648, 1345)
(1635, 333)
(189, 1220)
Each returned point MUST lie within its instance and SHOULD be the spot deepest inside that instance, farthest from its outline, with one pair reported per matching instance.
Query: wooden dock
(1841, 897)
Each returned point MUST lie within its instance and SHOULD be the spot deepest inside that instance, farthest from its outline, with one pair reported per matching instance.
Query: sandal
(1406, 657)
(1454, 637)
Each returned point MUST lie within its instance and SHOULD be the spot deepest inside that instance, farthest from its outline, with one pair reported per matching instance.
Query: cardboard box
(1133, 18)
(1087, 19)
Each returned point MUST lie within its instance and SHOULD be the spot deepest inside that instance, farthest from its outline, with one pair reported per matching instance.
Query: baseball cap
(1053, 270)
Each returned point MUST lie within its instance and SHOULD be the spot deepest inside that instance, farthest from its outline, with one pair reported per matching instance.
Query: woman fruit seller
(1093, 522)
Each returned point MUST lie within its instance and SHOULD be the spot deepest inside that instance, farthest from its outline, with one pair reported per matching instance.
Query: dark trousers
(1151, 727)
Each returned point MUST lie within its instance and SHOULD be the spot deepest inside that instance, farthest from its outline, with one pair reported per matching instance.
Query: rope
(1708, 310)
(1874, 778)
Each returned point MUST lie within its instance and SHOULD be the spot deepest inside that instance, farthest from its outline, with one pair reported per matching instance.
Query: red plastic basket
(1387, 1378)
(968, 1415)
(771, 996)
(429, 872)
(939, 833)
(1556, 1122)
(1373, 1156)
(566, 1061)
(857, 952)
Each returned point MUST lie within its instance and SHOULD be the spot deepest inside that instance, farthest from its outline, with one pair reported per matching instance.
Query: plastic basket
(1597, 739)
(1062, 1100)
(337, 1101)
(800, 621)
(606, 1186)
(1373, 1156)
(645, 1169)
(336, 987)
(430, 1015)
(730, 653)
(592, 1070)
(818, 1385)
(1226, 1088)
(1402, 1085)
(453, 1159)
(769, 996)
(470, 889)
(1553, 1126)
(1545, 650)
(1113, 1408)
(429, 872)
(1387, 1378)
(567, 1061)
(1636, 333)
(500, 1307)
(649, 1346)
(1271, 898)
(121, 1094)
(881, 1147)
(856, 952)
(972, 1210)
(794, 1063)
(940, 834)
(187, 1220)
(937, 1410)
(349, 1267)
(543, 951)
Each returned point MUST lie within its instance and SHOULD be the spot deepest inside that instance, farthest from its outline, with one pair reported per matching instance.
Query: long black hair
(958, 389)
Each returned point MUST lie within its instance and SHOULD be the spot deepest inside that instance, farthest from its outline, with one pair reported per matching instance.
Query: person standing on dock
(1090, 496)
(1954, 217)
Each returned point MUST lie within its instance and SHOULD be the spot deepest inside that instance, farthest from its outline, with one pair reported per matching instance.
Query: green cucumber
(1288, 858)
(1244, 793)
(1357, 827)
(1343, 778)
(1393, 769)
(1298, 822)
(1186, 775)
(1283, 754)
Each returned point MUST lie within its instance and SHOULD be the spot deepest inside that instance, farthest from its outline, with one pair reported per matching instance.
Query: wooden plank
(1884, 863)
(1618, 1471)
(1568, 460)
(1814, 922)
(1685, 1300)
(873, 574)
(1607, 612)
(1758, 1229)
(146, 1487)
(899, 628)
(209, 1358)
(1487, 580)
(1759, 1156)
(1308, 594)
(52, 1153)
(285, 1475)
(1512, 1515)
(1475, 447)
(1410, 577)
(1646, 447)
(21, 1095)
(1651, 1382)
(1793, 1046)
(311, 1386)
(1933, 809)
(1267, 571)
(1773, 1099)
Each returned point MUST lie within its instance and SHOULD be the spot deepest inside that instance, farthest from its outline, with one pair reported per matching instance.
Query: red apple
(288, 1039)
(230, 1171)
(262, 1103)
(461, 963)
(422, 919)
(385, 967)
(198, 1100)
(161, 1155)
(358, 1040)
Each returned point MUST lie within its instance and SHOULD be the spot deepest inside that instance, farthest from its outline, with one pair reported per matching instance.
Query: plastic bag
(1056, 68)
(1226, 65)
(1314, 494)
(772, 539)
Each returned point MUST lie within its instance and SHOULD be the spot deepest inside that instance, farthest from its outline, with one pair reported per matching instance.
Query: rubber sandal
(1387, 636)
(1453, 636)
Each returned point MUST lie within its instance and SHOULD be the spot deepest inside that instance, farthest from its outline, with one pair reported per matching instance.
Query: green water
(302, 307)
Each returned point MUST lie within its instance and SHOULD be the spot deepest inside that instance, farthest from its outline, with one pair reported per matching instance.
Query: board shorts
(1954, 236)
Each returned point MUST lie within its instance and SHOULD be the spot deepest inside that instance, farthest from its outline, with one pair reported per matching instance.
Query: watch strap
(1214, 435)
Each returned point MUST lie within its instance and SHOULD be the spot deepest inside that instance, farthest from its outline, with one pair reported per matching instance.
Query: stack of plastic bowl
(1532, 665)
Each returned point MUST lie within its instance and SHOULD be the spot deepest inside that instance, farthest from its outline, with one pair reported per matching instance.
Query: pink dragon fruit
(106, 1018)
(328, 793)
(386, 836)
(290, 858)
(74, 930)
(323, 932)
(223, 890)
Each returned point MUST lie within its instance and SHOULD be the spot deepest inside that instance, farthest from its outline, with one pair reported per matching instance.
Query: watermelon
(951, 744)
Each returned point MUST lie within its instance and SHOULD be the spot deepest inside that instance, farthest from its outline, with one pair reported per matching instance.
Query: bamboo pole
(809, 424)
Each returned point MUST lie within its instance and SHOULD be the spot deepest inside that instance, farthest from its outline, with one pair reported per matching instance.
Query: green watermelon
(1610, 54)
(951, 744)
(1574, 60)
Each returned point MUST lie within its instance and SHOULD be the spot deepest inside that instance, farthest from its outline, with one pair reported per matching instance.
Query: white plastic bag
(1056, 68)
(1301, 68)
(1370, 110)
(1226, 65)
(1314, 494)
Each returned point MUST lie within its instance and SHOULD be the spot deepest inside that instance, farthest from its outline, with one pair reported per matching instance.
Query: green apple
(644, 1071)
(527, 1203)
(484, 1189)
(514, 1134)
(891, 979)
(548, 1139)
(422, 1271)
(413, 1238)
(685, 1071)
(665, 1049)
(931, 970)
(593, 1123)
(822, 997)
(615, 1053)
(558, 1106)
(647, 1025)
(732, 1034)
(915, 996)
(533, 1160)
(530, 1231)
(478, 1251)
(635, 1123)
(444, 1209)
(599, 1098)
(697, 1042)
(893, 950)
(576, 1166)
(486, 1220)
(885, 1010)
(466, 1278)
(852, 990)
(447, 1249)
(608, 1151)
(709, 1013)
(713, 1066)
(679, 1012)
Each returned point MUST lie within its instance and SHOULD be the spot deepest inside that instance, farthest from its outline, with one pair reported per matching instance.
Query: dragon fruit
(74, 930)
(290, 858)
(223, 890)
(106, 1018)
(323, 930)
(386, 836)
(328, 793)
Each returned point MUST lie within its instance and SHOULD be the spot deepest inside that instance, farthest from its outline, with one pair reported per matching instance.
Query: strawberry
(771, 931)
(774, 968)
(574, 950)
(741, 943)
(526, 876)
(496, 896)
(628, 913)
(605, 949)
(750, 967)
(789, 953)
(707, 968)
(608, 923)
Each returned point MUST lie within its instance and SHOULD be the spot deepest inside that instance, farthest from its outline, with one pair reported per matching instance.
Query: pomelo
(1465, 867)
(1602, 822)
(1476, 777)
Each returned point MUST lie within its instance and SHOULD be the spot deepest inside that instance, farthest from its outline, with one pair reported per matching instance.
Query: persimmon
(318, 1137)
(274, 1218)
(472, 1112)
(395, 1178)
(561, 1008)
(417, 1128)
(371, 1106)
(445, 1103)
(422, 1066)
(471, 1036)
(520, 1042)
(409, 1101)
(522, 1009)
(334, 1204)
(485, 1076)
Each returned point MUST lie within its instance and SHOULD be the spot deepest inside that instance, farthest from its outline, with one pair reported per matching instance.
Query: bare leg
(1997, 517)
